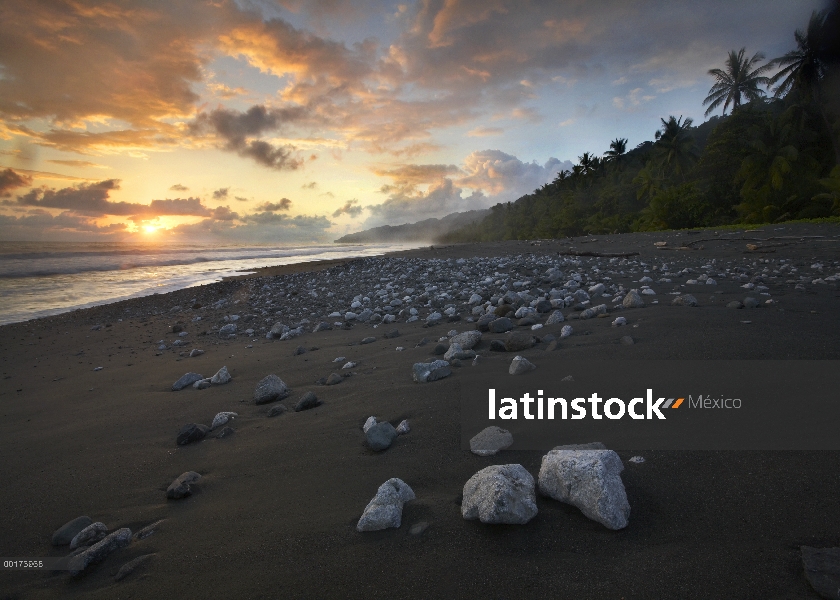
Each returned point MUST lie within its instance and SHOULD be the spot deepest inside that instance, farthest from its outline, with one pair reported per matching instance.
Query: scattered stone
(490, 440)
(751, 303)
(619, 322)
(500, 494)
(225, 432)
(684, 300)
(627, 340)
(368, 340)
(269, 389)
(554, 318)
(467, 340)
(590, 480)
(518, 341)
(371, 421)
(65, 534)
(190, 433)
(221, 377)
(334, 379)
(520, 365)
(403, 427)
(822, 570)
(180, 487)
(426, 372)
(735, 304)
(497, 346)
(202, 385)
(227, 330)
(196, 352)
(276, 410)
(500, 325)
(307, 401)
(566, 331)
(456, 352)
(131, 566)
(385, 509)
(298, 351)
(380, 436)
(636, 459)
(186, 380)
(222, 418)
(633, 300)
(100, 551)
(394, 333)
(89, 535)
(591, 313)
(148, 530)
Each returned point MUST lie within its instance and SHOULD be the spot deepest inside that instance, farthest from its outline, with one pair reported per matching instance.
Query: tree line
(774, 157)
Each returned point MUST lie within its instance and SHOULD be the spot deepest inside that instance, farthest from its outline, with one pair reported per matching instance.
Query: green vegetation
(772, 159)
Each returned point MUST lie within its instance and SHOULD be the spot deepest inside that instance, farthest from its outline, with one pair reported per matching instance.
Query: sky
(297, 121)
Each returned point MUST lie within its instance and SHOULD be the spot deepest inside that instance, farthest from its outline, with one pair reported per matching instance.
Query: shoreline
(287, 491)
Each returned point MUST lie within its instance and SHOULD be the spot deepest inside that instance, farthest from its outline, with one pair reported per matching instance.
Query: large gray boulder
(426, 372)
(467, 339)
(518, 341)
(457, 351)
(99, 551)
(385, 510)
(490, 440)
(380, 436)
(269, 389)
(500, 494)
(520, 365)
(500, 325)
(590, 480)
(186, 380)
(633, 300)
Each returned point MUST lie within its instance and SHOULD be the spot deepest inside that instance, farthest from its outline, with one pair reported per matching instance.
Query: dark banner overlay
(657, 405)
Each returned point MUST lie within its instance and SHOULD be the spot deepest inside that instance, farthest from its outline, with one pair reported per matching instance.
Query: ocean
(39, 279)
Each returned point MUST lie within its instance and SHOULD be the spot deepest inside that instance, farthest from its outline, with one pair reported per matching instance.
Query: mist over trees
(773, 155)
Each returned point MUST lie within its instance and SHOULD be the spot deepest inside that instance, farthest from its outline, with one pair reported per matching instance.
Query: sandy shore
(274, 514)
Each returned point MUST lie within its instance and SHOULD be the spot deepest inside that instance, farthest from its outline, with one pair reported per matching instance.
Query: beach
(275, 511)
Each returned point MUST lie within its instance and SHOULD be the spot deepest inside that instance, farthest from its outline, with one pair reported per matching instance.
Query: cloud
(237, 129)
(441, 199)
(10, 180)
(309, 186)
(485, 131)
(407, 177)
(504, 176)
(350, 209)
(283, 204)
(41, 225)
(81, 164)
(240, 199)
(178, 188)
(633, 100)
(258, 227)
(221, 193)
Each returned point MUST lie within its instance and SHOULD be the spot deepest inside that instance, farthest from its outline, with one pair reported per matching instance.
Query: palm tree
(805, 68)
(618, 147)
(675, 149)
(586, 161)
(738, 80)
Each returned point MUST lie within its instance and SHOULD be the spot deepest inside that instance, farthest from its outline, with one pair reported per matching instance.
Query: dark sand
(274, 515)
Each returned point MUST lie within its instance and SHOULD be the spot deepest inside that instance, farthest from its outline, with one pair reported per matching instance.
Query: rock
(751, 303)
(368, 340)
(439, 350)
(526, 321)
(591, 313)
(520, 365)
(222, 418)
(334, 379)
(554, 318)
(500, 494)
(131, 566)
(370, 422)
(277, 331)
(426, 372)
(190, 433)
(524, 311)
(403, 427)
(467, 340)
(490, 440)
(277, 409)
(566, 331)
(735, 304)
(186, 380)
(89, 535)
(597, 289)
(65, 534)
(148, 530)
(500, 325)
(633, 300)
(269, 389)
(227, 330)
(348, 365)
(385, 509)
(180, 486)
(552, 346)
(497, 346)
(307, 401)
(822, 570)
(518, 341)
(586, 446)
(298, 351)
(394, 333)
(627, 340)
(222, 376)
(684, 300)
(322, 326)
(589, 480)
(225, 432)
(434, 318)
(543, 306)
(619, 321)
(380, 436)
(100, 551)
(196, 352)
(483, 323)
(636, 460)
(456, 352)
(202, 384)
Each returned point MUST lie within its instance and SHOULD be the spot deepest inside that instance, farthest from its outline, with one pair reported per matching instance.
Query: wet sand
(274, 515)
